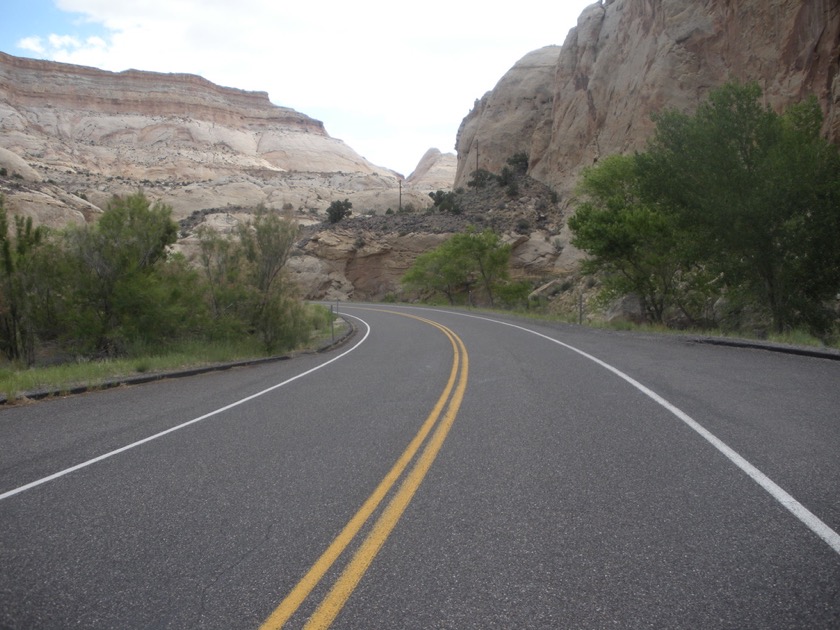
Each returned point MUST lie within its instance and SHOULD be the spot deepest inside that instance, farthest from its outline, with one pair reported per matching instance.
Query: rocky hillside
(70, 137)
(364, 258)
(594, 96)
(74, 136)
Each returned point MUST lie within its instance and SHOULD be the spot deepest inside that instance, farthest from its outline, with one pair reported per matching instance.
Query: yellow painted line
(302, 589)
(349, 579)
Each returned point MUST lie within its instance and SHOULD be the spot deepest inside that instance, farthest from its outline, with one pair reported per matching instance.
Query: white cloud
(390, 81)
(32, 44)
(63, 42)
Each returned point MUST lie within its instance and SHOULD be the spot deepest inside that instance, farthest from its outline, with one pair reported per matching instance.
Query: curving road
(442, 470)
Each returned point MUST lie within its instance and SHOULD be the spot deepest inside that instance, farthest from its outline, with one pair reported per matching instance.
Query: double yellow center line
(438, 420)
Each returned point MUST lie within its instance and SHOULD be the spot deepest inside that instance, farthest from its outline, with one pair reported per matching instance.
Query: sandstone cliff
(435, 171)
(183, 139)
(594, 96)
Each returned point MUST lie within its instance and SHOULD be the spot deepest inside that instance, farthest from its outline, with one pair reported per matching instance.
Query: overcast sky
(390, 79)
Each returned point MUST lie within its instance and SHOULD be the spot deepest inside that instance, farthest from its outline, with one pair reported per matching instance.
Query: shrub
(519, 163)
(481, 178)
(339, 210)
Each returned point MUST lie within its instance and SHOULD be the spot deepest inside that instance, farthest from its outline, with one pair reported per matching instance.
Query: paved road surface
(443, 470)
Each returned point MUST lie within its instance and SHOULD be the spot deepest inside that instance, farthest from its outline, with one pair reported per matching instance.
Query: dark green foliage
(17, 281)
(465, 260)
(246, 285)
(519, 163)
(734, 201)
(339, 210)
(112, 297)
(506, 177)
(481, 178)
(445, 202)
(113, 288)
(760, 194)
(438, 271)
(633, 245)
(514, 294)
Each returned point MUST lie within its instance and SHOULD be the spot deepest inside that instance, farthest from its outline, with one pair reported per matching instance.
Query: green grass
(15, 383)
(803, 338)
(792, 338)
(92, 374)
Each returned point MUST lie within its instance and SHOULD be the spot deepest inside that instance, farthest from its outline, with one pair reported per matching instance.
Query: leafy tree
(339, 210)
(514, 294)
(460, 262)
(17, 329)
(760, 194)
(115, 263)
(266, 243)
(519, 163)
(506, 177)
(632, 244)
(484, 253)
(481, 178)
(442, 270)
(220, 261)
(445, 201)
(245, 282)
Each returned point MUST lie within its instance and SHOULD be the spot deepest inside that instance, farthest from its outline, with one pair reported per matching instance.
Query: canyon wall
(75, 136)
(627, 59)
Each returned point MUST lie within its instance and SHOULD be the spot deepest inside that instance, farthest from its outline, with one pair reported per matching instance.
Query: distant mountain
(76, 135)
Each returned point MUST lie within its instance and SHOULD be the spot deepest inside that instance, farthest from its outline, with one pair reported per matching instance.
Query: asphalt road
(442, 472)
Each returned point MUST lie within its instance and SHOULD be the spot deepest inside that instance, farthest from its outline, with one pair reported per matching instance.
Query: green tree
(266, 243)
(459, 263)
(481, 178)
(441, 270)
(633, 245)
(220, 261)
(760, 194)
(485, 254)
(519, 163)
(445, 201)
(339, 210)
(17, 328)
(114, 294)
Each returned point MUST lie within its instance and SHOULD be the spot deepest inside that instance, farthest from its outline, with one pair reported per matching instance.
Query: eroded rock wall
(184, 140)
(626, 59)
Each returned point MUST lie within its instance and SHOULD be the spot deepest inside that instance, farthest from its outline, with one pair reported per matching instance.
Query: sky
(391, 80)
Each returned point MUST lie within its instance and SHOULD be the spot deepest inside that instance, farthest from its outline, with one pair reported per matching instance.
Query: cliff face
(151, 125)
(629, 58)
(186, 141)
(435, 171)
(34, 84)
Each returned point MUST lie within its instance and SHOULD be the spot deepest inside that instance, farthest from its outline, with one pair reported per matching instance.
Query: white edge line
(808, 518)
(85, 464)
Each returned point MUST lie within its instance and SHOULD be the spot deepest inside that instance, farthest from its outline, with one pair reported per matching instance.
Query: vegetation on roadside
(470, 267)
(729, 219)
(113, 290)
(94, 373)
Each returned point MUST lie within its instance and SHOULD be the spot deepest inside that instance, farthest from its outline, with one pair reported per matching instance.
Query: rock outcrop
(435, 171)
(626, 59)
(184, 140)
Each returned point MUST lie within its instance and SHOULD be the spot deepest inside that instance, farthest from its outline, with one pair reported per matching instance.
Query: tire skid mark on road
(342, 589)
